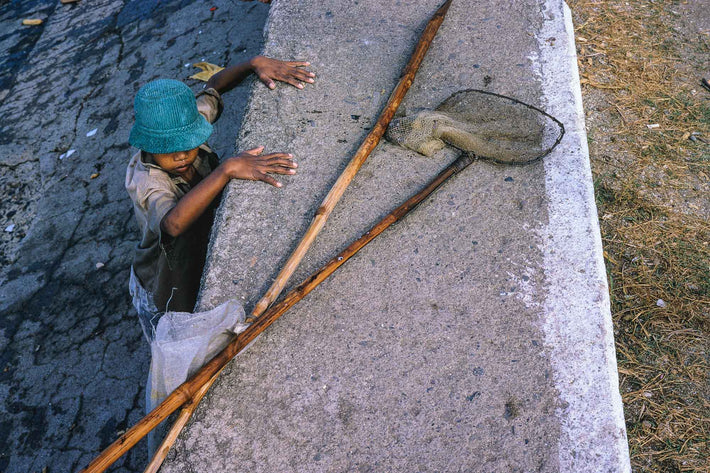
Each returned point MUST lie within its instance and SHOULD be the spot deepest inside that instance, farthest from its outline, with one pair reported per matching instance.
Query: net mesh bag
(488, 125)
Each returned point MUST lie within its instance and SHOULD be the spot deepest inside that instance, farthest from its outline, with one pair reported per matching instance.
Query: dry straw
(649, 123)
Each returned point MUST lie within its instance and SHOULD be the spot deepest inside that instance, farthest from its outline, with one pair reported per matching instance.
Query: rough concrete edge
(585, 445)
(577, 325)
(222, 210)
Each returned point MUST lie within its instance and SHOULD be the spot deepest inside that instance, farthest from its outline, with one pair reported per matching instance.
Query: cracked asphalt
(73, 360)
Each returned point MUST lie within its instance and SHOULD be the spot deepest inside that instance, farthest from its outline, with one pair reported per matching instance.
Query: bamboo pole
(330, 201)
(192, 391)
(370, 142)
(189, 390)
(187, 410)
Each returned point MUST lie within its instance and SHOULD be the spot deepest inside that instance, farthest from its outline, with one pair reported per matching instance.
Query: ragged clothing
(169, 269)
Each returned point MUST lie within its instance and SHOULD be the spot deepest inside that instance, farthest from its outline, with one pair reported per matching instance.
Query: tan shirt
(170, 269)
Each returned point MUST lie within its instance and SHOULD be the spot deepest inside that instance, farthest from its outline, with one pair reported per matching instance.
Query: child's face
(179, 163)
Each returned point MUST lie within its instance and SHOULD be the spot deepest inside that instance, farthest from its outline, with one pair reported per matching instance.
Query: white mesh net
(491, 126)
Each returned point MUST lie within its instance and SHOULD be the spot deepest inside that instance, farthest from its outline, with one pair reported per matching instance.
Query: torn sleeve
(210, 104)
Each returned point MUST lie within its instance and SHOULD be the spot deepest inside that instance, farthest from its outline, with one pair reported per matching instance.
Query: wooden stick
(370, 142)
(187, 410)
(188, 392)
(322, 215)
(190, 388)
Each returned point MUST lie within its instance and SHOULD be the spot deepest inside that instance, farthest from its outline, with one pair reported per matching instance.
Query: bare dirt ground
(648, 121)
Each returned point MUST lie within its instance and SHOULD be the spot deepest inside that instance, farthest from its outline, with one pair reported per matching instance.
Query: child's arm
(266, 69)
(247, 165)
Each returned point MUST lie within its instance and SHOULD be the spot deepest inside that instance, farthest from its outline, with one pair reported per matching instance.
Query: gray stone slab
(475, 335)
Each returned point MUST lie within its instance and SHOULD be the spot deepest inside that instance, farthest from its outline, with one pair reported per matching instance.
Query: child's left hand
(268, 70)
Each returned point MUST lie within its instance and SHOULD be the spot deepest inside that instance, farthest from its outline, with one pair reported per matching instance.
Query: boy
(175, 179)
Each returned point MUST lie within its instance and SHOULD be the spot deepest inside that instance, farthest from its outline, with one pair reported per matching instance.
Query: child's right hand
(254, 166)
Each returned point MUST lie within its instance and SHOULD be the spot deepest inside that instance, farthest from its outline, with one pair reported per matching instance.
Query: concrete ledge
(473, 336)
(577, 322)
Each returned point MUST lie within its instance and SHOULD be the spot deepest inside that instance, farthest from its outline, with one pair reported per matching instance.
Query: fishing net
(488, 125)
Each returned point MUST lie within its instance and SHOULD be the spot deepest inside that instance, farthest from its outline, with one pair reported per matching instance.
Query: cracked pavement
(73, 360)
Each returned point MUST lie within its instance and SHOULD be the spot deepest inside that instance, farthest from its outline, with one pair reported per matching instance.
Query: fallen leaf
(92, 132)
(32, 22)
(95, 175)
(68, 1)
(208, 70)
(686, 135)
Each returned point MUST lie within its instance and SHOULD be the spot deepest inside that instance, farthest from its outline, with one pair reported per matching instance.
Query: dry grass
(641, 66)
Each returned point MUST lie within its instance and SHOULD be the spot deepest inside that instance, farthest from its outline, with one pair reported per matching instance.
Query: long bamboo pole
(192, 387)
(296, 257)
(192, 391)
(370, 142)
(187, 410)
(189, 407)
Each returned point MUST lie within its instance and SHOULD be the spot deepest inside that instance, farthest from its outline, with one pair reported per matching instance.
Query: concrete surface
(73, 361)
(473, 336)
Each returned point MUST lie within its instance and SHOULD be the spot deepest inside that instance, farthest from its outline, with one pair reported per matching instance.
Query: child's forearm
(267, 70)
(226, 79)
(193, 204)
(250, 164)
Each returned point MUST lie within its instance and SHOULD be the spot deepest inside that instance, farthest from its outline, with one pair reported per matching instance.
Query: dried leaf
(32, 22)
(95, 175)
(208, 70)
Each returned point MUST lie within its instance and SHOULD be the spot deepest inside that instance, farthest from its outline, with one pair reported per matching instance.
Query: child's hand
(252, 165)
(268, 70)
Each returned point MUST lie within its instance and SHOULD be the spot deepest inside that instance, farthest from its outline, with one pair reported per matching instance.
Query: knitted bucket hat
(167, 119)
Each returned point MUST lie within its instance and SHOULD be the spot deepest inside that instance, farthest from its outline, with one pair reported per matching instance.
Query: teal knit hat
(167, 119)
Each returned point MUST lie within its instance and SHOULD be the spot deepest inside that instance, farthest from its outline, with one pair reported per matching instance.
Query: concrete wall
(473, 336)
